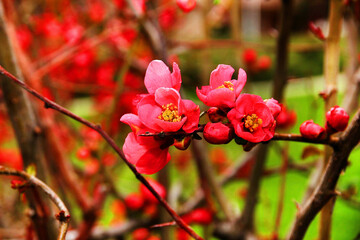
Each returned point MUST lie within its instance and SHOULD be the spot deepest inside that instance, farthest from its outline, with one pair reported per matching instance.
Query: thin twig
(63, 216)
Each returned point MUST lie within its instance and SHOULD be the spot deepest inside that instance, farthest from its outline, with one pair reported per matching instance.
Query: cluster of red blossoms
(336, 121)
(163, 118)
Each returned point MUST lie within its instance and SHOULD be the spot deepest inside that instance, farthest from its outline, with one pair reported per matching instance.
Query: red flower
(218, 133)
(186, 5)
(336, 119)
(252, 119)
(222, 91)
(311, 130)
(148, 196)
(162, 110)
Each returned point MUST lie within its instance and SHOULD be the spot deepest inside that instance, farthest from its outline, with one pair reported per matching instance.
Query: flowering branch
(50, 104)
(326, 189)
(63, 216)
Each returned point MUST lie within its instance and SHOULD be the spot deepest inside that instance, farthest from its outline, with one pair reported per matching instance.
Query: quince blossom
(252, 119)
(162, 110)
(222, 91)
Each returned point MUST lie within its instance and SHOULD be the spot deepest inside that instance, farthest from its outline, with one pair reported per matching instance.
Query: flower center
(252, 122)
(169, 113)
(228, 85)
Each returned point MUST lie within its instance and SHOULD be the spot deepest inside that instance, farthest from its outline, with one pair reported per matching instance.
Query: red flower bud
(201, 216)
(140, 234)
(311, 130)
(286, 118)
(274, 106)
(218, 133)
(249, 56)
(336, 119)
(134, 201)
(264, 63)
(216, 115)
(183, 144)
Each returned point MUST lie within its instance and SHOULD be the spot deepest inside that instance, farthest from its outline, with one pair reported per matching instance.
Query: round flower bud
(336, 119)
(218, 133)
(134, 201)
(311, 130)
(217, 115)
(201, 216)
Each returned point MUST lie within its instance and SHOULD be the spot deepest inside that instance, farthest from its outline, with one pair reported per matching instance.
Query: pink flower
(218, 133)
(311, 130)
(147, 154)
(274, 107)
(222, 91)
(336, 119)
(186, 5)
(252, 119)
(166, 111)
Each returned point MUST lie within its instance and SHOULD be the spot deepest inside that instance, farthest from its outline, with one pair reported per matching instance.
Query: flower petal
(240, 83)
(158, 75)
(221, 74)
(153, 161)
(192, 112)
(164, 96)
(148, 111)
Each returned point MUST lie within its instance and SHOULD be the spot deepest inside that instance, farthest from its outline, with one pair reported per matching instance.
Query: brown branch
(63, 216)
(50, 104)
(326, 188)
(331, 141)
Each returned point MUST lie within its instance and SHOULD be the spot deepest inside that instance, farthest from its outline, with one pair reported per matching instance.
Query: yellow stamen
(169, 113)
(228, 85)
(252, 122)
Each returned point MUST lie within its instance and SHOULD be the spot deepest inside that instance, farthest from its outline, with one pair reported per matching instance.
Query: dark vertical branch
(282, 50)
(247, 218)
(25, 126)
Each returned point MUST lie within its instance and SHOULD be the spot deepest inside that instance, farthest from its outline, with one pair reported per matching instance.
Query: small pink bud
(336, 119)
(311, 130)
(274, 106)
(218, 133)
